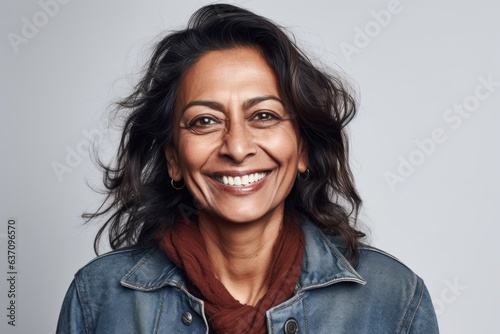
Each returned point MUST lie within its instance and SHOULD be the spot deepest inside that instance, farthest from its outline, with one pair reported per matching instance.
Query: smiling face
(235, 146)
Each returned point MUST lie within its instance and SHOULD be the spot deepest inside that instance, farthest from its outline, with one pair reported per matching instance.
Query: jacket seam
(331, 282)
(379, 251)
(160, 311)
(339, 256)
(171, 283)
(408, 306)
(298, 298)
(157, 284)
(139, 264)
(410, 321)
(113, 252)
(271, 322)
(405, 321)
(304, 307)
(83, 296)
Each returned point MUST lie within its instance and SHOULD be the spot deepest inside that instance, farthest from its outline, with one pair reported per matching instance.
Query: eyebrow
(219, 107)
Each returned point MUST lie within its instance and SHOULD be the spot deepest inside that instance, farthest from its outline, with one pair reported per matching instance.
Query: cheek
(194, 152)
(281, 143)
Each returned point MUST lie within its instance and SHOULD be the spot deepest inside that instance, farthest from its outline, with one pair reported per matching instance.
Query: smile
(240, 181)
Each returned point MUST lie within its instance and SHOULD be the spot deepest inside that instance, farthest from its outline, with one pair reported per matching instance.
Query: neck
(241, 254)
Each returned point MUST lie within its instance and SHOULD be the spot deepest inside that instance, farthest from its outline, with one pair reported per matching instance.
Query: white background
(442, 220)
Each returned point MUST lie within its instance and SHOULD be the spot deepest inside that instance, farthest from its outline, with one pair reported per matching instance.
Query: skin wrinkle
(220, 107)
(244, 128)
(236, 255)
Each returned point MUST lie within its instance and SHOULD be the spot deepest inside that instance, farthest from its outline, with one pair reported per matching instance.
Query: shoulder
(115, 284)
(325, 255)
(385, 274)
(114, 263)
(137, 269)
(386, 278)
(375, 270)
(376, 264)
(391, 282)
(106, 273)
(382, 270)
(394, 286)
(380, 290)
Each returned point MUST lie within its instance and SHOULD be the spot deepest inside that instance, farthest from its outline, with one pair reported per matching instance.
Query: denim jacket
(142, 291)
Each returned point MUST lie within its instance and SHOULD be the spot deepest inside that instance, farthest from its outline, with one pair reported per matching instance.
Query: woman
(233, 195)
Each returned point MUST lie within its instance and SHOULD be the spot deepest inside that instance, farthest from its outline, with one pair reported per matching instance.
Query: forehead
(240, 70)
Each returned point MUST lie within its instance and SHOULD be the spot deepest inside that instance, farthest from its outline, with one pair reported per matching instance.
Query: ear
(174, 169)
(303, 160)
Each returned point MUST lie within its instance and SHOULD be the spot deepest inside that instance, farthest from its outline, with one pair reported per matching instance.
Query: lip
(240, 190)
(240, 173)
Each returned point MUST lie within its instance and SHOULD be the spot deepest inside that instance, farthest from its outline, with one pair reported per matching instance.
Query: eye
(202, 122)
(264, 119)
(265, 116)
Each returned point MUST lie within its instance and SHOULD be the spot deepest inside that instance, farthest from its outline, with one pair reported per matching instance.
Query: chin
(241, 218)
(246, 214)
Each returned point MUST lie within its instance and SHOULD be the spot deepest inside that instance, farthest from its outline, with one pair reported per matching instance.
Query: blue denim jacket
(131, 291)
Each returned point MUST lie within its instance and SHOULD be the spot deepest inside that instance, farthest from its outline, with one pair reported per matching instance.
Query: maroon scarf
(186, 247)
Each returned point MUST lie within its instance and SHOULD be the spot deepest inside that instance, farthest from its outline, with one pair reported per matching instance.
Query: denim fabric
(131, 291)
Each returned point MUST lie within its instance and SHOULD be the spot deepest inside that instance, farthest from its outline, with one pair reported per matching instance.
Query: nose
(238, 142)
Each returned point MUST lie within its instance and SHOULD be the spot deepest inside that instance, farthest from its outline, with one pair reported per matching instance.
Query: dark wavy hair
(139, 198)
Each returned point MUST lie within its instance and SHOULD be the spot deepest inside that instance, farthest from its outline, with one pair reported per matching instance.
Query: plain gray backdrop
(424, 144)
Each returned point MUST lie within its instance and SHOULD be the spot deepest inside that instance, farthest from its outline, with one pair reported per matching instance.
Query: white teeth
(239, 181)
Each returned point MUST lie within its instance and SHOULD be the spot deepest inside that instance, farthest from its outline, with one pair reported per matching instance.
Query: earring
(303, 176)
(175, 187)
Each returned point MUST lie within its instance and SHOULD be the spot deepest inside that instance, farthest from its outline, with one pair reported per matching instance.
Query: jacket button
(291, 326)
(187, 318)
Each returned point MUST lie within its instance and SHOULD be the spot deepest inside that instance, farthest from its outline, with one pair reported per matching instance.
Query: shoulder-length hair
(140, 200)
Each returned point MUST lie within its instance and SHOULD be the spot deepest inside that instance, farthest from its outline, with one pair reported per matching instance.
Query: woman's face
(235, 146)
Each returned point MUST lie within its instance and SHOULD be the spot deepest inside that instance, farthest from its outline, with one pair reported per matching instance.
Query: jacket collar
(323, 263)
(155, 270)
